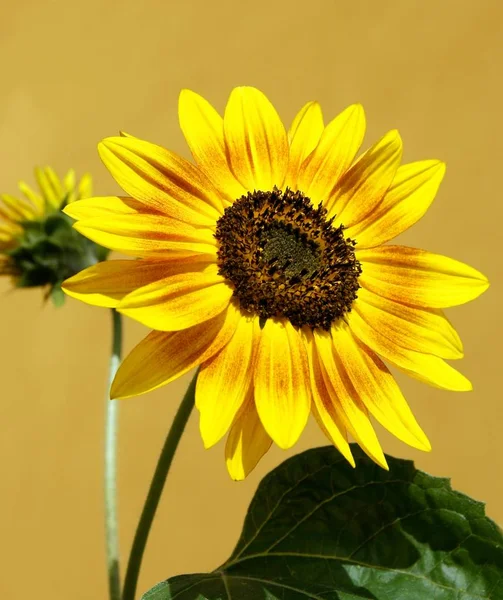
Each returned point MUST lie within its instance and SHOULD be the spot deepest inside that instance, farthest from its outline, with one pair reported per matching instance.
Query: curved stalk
(111, 425)
(155, 491)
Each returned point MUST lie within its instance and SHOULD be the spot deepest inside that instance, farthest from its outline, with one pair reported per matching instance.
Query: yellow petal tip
(186, 92)
(107, 144)
(283, 444)
(236, 472)
(209, 433)
(116, 393)
(421, 442)
(392, 137)
(71, 210)
(485, 284)
(357, 108)
(380, 460)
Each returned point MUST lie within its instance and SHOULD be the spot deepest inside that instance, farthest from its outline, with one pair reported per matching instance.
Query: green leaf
(319, 529)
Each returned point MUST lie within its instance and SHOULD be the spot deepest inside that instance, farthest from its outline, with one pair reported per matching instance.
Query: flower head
(38, 246)
(265, 263)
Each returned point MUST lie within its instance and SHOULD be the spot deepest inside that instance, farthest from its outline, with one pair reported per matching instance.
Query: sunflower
(38, 246)
(264, 264)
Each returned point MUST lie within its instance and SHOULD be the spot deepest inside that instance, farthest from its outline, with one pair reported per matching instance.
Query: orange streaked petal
(106, 283)
(377, 389)
(425, 367)
(146, 235)
(281, 378)
(424, 330)
(203, 129)
(179, 301)
(304, 135)
(105, 207)
(256, 140)
(418, 277)
(162, 357)
(336, 150)
(362, 187)
(247, 442)
(223, 383)
(325, 411)
(161, 180)
(353, 413)
(406, 201)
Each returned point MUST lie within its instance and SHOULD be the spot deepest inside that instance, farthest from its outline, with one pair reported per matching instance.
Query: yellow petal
(425, 367)
(106, 283)
(282, 393)
(256, 140)
(16, 209)
(69, 181)
(8, 214)
(325, 411)
(85, 187)
(105, 207)
(223, 383)
(35, 199)
(162, 357)
(48, 192)
(353, 412)
(146, 235)
(8, 232)
(10, 229)
(304, 135)
(334, 154)
(362, 187)
(7, 240)
(69, 184)
(178, 302)
(409, 197)
(247, 441)
(377, 389)
(203, 129)
(418, 277)
(161, 180)
(55, 183)
(6, 267)
(420, 329)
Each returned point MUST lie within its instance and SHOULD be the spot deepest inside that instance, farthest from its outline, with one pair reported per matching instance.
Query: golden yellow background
(75, 72)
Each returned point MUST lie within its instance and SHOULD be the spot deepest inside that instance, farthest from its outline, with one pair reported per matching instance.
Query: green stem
(111, 424)
(155, 491)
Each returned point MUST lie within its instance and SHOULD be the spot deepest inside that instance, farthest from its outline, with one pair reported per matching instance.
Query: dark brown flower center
(285, 259)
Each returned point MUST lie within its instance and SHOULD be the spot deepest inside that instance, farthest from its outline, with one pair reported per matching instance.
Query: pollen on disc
(285, 259)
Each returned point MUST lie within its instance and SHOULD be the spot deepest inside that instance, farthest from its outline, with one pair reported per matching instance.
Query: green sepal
(50, 251)
(319, 529)
(57, 295)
